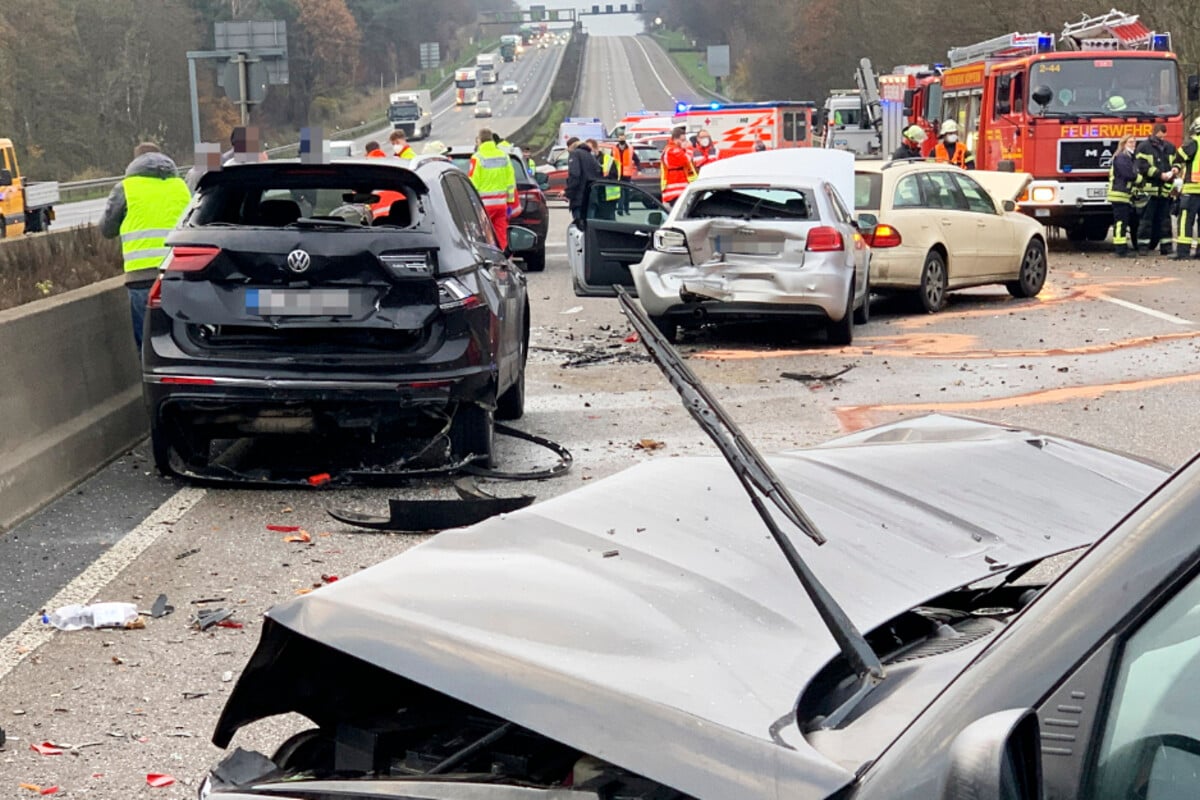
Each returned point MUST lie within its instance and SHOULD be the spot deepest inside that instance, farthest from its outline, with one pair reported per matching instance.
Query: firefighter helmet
(1195, 126)
(949, 126)
(1115, 103)
(914, 133)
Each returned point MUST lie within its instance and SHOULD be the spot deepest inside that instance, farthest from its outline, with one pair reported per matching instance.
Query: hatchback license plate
(298, 302)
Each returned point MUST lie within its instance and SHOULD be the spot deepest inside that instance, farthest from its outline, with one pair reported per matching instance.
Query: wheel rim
(935, 273)
(1033, 267)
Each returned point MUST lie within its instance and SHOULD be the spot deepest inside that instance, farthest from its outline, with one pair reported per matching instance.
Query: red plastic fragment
(50, 790)
(47, 749)
(228, 623)
(632, 338)
(159, 780)
(283, 528)
(319, 479)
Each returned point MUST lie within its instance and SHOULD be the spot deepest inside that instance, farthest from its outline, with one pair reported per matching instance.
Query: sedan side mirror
(867, 222)
(996, 758)
(521, 239)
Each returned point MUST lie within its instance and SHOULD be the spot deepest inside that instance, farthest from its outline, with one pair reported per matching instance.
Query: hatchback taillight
(189, 258)
(455, 293)
(885, 236)
(824, 239)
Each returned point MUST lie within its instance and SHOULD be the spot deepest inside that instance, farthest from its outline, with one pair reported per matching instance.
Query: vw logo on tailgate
(298, 261)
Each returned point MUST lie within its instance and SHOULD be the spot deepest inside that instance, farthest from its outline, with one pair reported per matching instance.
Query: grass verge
(46, 264)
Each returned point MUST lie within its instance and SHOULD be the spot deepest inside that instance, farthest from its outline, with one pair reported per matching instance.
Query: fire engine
(735, 127)
(1056, 110)
(917, 88)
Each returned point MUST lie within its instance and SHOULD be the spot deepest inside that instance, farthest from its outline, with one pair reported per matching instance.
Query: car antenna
(757, 477)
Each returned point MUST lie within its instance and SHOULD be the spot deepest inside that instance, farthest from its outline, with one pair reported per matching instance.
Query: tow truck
(1057, 108)
(25, 206)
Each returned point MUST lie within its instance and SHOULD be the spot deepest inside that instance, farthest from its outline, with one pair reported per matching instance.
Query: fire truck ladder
(1116, 29)
(868, 87)
(1011, 44)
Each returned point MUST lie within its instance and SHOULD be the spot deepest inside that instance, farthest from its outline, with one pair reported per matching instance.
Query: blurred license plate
(1097, 192)
(298, 302)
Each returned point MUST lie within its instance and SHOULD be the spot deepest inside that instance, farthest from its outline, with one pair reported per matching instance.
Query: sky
(601, 25)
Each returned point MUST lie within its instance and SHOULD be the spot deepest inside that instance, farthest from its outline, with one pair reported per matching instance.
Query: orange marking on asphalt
(853, 418)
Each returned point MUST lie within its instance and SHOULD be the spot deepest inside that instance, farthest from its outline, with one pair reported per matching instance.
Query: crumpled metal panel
(681, 656)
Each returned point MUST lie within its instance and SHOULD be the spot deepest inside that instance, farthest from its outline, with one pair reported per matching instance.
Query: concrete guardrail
(70, 394)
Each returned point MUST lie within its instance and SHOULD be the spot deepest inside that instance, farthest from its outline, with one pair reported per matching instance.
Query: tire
(1032, 274)
(309, 750)
(473, 433)
(160, 448)
(191, 447)
(535, 261)
(669, 329)
(511, 404)
(841, 333)
(1076, 233)
(934, 283)
(862, 315)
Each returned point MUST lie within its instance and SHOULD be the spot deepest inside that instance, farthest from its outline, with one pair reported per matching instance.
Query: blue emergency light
(1161, 42)
(1045, 44)
(714, 106)
(680, 108)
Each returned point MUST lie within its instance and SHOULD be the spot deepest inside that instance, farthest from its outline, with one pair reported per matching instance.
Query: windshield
(404, 111)
(846, 116)
(466, 83)
(1107, 86)
(752, 204)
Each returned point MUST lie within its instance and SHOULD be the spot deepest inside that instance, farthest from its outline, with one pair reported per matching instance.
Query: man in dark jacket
(142, 209)
(582, 169)
(1154, 157)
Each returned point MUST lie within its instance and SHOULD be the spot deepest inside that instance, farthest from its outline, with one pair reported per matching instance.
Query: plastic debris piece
(329, 578)
(305, 590)
(49, 790)
(611, 553)
(632, 338)
(228, 623)
(161, 608)
(187, 553)
(96, 615)
(227, 676)
(649, 444)
(209, 617)
(283, 528)
(303, 537)
(47, 749)
(320, 479)
(159, 780)
(30, 787)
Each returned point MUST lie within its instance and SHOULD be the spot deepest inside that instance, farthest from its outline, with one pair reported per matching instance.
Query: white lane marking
(650, 64)
(1171, 318)
(32, 634)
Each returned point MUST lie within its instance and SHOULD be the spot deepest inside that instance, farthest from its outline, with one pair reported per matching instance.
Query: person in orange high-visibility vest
(950, 150)
(677, 169)
(628, 163)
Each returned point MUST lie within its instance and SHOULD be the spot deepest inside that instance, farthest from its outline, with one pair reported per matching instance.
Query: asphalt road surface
(1109, 353)
(452, 124)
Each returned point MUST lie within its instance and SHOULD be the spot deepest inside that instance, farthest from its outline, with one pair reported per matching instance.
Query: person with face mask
(950, 150)
(628, 163)
(704, 151)
(1123, 182)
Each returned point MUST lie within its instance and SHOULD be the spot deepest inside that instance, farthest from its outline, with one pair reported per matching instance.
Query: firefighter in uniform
(949, 150)
(676, 168)
(1123, 179)
(491, 172)
(1154, 157)
(910, 144)
(1188, 157)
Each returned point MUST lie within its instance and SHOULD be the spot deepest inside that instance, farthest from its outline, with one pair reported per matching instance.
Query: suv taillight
(824, 239)
(189, 258)
(154, 300)
(455, 293)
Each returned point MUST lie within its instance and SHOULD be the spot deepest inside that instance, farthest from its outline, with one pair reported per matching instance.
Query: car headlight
(669, 240)
(1043, 194)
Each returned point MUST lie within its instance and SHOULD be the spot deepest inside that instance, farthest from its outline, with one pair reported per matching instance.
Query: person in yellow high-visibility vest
(491, 172)
(610, 170)
(142, 209)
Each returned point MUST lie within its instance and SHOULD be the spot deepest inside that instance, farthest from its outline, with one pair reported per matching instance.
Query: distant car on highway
(510, 87)
(532, 212)
(483, 109)
(764, 237)
(341, 149)
(287, 307)
(943, 228)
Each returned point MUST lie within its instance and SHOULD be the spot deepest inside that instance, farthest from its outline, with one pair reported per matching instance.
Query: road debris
(187, 553)
(320, 479)
(96, 615)
(207, 618)
(303, 537)
(47, 748)
(805, 377)
(194, 695)
(611, 553)
(572, 310)
(283, 528)
(648, 444)
(159, 780)
(161, 608)
(227, 676)
(474, 505)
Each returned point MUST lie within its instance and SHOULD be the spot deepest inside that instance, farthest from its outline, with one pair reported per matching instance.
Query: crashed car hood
(1003, 185)
(649, 620)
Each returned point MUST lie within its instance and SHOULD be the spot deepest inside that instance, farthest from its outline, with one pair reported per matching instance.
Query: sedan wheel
(933, 282)
(1032, 276)
(842, 332)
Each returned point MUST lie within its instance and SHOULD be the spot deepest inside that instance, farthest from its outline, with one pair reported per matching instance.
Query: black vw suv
(362, 298)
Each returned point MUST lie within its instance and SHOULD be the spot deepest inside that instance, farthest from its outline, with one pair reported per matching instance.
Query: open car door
(619, 226)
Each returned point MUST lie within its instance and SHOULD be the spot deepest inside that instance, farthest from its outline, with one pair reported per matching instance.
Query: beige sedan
(943, 228)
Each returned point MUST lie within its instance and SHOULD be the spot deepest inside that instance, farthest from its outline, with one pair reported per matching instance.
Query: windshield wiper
(757, 477)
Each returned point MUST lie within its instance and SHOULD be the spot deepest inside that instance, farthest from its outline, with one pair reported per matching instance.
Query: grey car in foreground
(662, 634)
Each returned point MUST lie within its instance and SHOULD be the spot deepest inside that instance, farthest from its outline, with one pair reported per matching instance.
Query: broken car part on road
(474, 505)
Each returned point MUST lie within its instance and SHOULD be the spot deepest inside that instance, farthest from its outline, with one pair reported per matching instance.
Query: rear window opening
(305, 197)
(751, 203)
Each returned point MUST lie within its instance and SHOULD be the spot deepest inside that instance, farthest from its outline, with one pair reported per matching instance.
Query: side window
(1151, 743)
(941, 192)
(908, 193)
(623, 203)
(839, 209)
(460, 194)
(1018, 93)
(789, 126)
(8, 161)
(978, 200)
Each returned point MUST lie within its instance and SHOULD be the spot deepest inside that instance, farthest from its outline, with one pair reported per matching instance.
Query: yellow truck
(25, 206)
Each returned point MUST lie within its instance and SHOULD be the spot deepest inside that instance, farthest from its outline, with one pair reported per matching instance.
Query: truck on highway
(25, 206)
(412, 112)
(485, 63)
(508, 47)
(582, 127)
(845, 123)
(466, 87)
